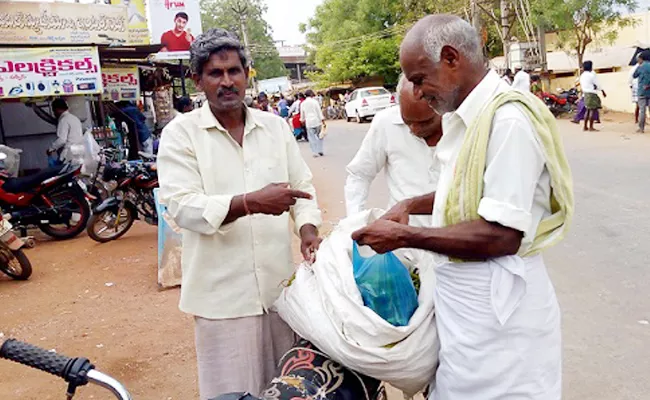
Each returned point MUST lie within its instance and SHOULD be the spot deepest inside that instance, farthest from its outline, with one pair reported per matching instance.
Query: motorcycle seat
(25, 183)
(147, 156)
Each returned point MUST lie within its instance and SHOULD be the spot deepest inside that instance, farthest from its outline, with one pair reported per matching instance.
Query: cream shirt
(408, 160)
(311, 114)
(238, 269)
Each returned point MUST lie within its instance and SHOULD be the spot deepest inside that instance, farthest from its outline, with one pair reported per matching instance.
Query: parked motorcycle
(133, 199)
(51, 199)
(13, 261)
(564, 102)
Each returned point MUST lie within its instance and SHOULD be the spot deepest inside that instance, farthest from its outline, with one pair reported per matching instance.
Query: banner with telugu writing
(49, 71)
(137, 18)
(121, 83)
(62, 23)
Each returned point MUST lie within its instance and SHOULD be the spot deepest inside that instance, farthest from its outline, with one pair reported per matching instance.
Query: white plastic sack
(89, 154)
(324, 306)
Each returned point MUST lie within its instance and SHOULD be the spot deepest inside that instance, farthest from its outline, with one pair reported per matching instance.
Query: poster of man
(174, 24)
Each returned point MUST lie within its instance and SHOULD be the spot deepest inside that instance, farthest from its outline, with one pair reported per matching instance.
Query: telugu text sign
(62, 23)
(121, 83)
(49, 71)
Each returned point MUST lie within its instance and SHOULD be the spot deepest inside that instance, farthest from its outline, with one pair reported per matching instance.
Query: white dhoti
(241, 354)
(499, 328)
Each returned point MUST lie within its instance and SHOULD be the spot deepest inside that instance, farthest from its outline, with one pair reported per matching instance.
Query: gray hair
(400, 83)
(457, 33)
(211, 42)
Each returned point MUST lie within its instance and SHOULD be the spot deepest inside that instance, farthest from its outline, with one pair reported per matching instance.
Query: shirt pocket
(271, 170)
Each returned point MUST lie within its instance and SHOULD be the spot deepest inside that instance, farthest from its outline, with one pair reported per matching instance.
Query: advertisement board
(174, 24)
(136, 14)
(49, 71)
(121, 83)
(62, 23)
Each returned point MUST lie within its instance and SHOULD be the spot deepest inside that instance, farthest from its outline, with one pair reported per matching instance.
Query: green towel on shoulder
(467, 188)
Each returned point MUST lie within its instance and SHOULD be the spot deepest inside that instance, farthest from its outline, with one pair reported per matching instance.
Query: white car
(366, 102)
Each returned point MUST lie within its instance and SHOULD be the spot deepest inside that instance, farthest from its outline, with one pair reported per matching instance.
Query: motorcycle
(51, 199)
(13, 261)
(304, 373)
(562, 103)
(133, 199)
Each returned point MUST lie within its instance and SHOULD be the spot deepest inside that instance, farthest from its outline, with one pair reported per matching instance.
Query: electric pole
(505, 29)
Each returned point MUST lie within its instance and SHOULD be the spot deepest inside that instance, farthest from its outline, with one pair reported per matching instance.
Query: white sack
(324, 306)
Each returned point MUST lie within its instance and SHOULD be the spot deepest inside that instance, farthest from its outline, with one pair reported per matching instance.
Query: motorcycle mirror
(3, 156)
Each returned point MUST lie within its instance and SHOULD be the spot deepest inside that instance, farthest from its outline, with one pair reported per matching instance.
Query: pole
(541, 32)
(183, 90)
(242, 9)
(505, 30)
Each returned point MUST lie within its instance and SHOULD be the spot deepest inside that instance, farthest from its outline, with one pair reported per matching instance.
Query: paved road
(601, 271)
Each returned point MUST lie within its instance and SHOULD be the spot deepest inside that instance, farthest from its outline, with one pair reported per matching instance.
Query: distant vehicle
(366, 102)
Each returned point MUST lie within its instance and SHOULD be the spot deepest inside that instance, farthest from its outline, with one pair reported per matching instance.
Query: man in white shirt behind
(69, 133)
(521, 80)
(590, 88)
(231, 176)
(402, 140)
(312, 116)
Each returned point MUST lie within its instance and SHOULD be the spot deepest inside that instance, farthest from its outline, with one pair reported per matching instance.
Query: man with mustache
(402, 140)
(231, 176)
(504, 195)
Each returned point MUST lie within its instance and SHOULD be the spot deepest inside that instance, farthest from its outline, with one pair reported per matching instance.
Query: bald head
(416, 113)
(442, 56)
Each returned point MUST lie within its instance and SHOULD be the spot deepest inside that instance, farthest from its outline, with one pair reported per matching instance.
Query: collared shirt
(589, 82)
(237, 269)
(311, 113)
(633, 82)
(516, 191)
(69, 132)
(409, 162)
(295, 107)
(521, 81)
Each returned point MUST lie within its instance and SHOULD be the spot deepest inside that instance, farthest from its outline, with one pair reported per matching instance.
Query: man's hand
(382, 236)
(274, 199)
(604, 94)
(309, 242)
(398, 213)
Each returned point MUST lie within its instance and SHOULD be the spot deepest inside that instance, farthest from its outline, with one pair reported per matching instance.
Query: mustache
(223, 91)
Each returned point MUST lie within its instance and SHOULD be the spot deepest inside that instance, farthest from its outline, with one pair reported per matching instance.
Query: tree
(579, 22)
(223, 14)
(360, 38)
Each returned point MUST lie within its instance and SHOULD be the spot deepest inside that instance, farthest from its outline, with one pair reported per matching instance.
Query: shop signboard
(137, 19)
(174, 24)
(49, 71)
(121, 83)
(62, 23)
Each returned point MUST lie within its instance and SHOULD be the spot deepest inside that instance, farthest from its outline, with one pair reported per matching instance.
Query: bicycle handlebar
(76, 371)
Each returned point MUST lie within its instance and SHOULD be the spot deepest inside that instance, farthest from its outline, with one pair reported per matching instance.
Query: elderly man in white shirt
(402, 140)
(521, 80)
(231, 176)
(312, 116)
(69, 133)
(497, 316)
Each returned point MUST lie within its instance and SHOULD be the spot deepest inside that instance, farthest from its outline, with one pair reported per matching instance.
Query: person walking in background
(402, 140)
(634, 88)
(283, 107)
(581, 109)
(299, 131)
(231, 176)
(507, 76)
(312, 117)
(590, 88)
(521, 80)
(69, 134)
(642, 73)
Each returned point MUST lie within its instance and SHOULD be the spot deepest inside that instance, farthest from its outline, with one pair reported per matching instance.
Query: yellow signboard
(49, 71)
(62, 23)
(137, 19)
(121, 83)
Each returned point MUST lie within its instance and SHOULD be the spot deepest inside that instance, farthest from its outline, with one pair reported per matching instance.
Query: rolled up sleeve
(514, 165)
(305, 211)
(181, 188)
(364, 167)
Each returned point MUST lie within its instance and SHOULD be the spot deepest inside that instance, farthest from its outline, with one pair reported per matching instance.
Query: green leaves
(225, 14)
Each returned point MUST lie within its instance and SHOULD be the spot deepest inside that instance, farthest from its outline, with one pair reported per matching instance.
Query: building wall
(619, 95)
(628, 36)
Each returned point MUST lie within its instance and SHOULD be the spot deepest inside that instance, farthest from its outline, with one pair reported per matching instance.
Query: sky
(284, 16)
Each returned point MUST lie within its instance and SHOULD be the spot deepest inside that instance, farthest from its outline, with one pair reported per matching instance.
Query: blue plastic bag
(385, 285)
